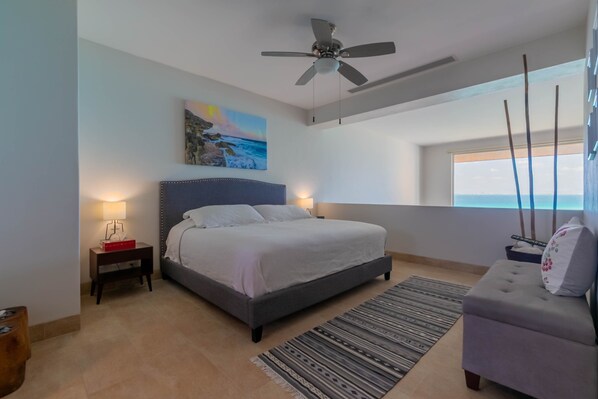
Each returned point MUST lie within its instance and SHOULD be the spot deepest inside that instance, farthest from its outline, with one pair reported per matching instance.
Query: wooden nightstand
(98, 257)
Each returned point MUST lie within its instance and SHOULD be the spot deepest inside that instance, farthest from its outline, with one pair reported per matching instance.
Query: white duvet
(259, 258)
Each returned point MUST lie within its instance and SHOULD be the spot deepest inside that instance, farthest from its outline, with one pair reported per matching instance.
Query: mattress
(259, 258)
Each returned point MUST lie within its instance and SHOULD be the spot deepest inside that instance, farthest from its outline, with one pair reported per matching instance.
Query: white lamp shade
(305, 203)
(115, 210)
(326, 65)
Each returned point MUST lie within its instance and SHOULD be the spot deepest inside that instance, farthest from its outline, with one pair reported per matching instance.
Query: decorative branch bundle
(528, 133)
(556, 149)
(529, 159)
(515, 174)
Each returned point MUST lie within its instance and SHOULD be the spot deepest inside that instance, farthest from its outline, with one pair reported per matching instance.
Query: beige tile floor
(172, 344)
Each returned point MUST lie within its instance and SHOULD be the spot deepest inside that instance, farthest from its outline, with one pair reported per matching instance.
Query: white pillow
(223, 216)
(569, 260)
(281, 213)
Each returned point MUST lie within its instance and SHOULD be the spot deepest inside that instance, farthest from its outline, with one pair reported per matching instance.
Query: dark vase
(522, 256)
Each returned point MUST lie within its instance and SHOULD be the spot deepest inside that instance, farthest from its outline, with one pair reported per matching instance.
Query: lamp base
(114, 236)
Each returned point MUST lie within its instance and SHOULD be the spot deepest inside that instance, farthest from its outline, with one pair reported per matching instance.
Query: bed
(177, 197)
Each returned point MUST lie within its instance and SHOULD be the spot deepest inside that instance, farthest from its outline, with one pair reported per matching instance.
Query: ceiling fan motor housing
(327, 52)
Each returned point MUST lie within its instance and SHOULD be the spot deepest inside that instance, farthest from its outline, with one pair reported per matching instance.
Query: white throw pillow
(281, 213)
(569, 260)
(223, 216)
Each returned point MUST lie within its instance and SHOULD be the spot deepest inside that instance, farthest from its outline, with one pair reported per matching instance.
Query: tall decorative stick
(528, 132)
(521, 221)
(556, 149)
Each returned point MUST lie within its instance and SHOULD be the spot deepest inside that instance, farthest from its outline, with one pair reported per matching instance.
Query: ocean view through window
(485, 179)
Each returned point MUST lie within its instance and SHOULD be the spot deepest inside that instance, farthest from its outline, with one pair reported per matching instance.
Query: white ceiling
(222, 39)
(483, 116)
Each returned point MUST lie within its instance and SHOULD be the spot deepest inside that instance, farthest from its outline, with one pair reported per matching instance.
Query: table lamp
(114, 212)
(306, 203)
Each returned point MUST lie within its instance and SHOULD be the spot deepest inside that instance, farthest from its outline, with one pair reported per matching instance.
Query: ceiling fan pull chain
(339, 99)
(313, 100)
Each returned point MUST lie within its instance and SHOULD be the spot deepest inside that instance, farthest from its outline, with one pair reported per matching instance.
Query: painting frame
(222, 137)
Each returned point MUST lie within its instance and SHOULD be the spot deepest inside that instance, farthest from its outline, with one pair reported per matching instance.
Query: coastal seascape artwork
(217, 136)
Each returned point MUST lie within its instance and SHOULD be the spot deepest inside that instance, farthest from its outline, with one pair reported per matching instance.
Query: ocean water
(249, 154)
(566, 202)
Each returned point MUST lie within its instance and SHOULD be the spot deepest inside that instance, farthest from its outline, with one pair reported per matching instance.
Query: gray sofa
(520, 335)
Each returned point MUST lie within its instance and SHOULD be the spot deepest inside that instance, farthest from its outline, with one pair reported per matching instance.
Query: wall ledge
(446, 264)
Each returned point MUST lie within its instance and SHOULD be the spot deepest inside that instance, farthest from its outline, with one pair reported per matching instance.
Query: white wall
(38, 158)
(436, 187)
(469, 235)
(131, 137)
(353, 165)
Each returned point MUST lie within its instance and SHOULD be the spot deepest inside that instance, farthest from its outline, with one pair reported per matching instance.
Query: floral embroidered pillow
(569, 260)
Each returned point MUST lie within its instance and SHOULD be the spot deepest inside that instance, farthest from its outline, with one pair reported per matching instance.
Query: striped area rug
(364, 352)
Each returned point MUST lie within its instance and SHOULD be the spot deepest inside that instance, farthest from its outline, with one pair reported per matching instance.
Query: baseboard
(447, 264)
(86, 288)
(54, 328)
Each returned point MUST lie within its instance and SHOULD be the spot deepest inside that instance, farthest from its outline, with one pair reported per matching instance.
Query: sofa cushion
(569, 260)
(513, 293)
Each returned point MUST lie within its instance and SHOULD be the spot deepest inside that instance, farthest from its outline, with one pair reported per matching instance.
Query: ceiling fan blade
(369, 50)
(351, 73)
(322, 32)
(286, 54)
(307, 76)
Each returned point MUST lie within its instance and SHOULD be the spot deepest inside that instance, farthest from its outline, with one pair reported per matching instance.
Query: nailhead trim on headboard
(163, 184)
(162, 221)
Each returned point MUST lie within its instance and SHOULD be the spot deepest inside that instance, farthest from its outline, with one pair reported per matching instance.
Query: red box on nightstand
(117, 245)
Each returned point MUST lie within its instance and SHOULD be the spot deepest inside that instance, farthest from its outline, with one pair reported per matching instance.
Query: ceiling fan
(327, 49)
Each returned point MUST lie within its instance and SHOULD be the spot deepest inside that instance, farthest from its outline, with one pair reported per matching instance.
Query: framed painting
(218, 136)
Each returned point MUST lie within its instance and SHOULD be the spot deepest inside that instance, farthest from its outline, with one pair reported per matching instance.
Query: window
(485, 179)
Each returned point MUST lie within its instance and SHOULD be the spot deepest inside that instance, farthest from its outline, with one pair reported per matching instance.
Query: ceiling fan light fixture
(326, 49)
(326, 65)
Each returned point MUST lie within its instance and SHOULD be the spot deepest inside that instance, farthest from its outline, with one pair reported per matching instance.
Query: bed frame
(176, 197)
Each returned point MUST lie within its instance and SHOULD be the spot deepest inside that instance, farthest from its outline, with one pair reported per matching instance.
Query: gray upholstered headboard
(177, 197)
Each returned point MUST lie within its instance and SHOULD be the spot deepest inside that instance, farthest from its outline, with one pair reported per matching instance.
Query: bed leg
(387, 276)
(256, 334)
(472, 380)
